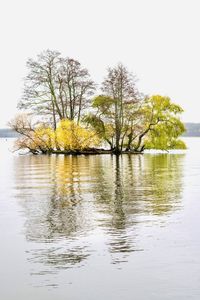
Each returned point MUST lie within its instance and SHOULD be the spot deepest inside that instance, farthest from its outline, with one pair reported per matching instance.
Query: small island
(63, 112)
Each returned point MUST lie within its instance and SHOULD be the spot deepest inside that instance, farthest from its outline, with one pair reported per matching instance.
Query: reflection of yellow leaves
(68, 180)
(69, 202)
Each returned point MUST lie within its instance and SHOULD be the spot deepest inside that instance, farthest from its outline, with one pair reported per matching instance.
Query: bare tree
(56, 87)
(120, 85)
(75, 87)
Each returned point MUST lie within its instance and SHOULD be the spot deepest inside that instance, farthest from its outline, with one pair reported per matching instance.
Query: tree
(40, 137)
(152, 123)
(56, 87)
(119, 85)
(115, 110)
(160, 125)
(102, 120)
(36, 137)
(73, 137)
(58, 91)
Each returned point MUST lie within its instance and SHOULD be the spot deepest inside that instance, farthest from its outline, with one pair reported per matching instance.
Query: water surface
(100, 227)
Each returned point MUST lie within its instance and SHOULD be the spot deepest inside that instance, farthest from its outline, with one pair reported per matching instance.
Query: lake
(100, 227)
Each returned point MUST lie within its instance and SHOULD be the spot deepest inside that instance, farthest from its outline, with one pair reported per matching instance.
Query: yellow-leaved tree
(44, 137)
(73, 137)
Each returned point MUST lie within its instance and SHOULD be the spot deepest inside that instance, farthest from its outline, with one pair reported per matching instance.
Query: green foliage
(150, 124)
(103, 102)
(161, 118)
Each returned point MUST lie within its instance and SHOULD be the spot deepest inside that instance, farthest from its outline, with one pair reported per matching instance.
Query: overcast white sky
(158, 40)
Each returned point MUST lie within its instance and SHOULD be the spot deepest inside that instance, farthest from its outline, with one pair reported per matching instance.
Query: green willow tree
(161, 125)
(152, 123)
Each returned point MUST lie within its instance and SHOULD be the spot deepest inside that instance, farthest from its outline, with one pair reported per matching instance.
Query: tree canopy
(56, 87)
(59, 92)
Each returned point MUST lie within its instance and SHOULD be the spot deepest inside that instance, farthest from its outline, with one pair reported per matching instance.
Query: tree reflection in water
(67, 200)
(136, 189)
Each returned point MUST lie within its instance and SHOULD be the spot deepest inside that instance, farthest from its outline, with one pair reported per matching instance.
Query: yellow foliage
(44, 137)
(71, 136)
(68, 136)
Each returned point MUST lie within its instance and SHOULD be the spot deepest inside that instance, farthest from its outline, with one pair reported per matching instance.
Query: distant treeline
(8, 133)
(192, 129)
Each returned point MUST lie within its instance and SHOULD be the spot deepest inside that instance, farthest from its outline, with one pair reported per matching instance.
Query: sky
(158, 40)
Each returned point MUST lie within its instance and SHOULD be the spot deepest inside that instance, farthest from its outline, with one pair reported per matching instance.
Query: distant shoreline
(192, 130)
(8, 133)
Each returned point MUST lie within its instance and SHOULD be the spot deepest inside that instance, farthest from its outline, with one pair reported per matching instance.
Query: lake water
(100, 227)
